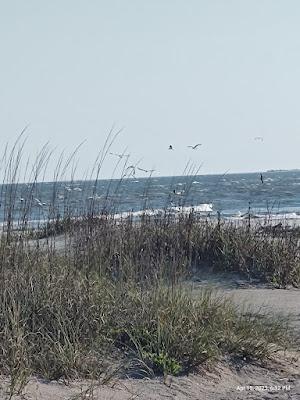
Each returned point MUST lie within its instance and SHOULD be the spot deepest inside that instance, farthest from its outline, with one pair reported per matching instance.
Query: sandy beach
(276, 379)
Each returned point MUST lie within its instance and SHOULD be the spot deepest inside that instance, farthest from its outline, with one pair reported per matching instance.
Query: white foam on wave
(270, 217)
(205, 207)
(200, 208)
(136, 214)
(283, 216)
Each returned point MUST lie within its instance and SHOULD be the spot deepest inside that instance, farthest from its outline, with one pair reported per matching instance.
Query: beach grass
(59, 322)
(84, 295)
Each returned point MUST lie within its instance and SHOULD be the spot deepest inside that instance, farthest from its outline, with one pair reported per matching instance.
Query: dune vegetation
(90, 295)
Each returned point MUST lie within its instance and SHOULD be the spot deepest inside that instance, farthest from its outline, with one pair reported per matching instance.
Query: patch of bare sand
(279, 379)
(257, 296)
(60, 242)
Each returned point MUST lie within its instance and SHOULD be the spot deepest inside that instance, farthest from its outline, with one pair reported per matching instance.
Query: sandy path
(59, 242)
(280, 381)
(257, 296)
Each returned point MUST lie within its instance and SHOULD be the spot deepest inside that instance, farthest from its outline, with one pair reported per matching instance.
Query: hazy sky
(174, 72)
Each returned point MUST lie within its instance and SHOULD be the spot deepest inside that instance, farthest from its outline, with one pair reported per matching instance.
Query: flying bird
(39, 203)
(119, 155)
(146, 170)
(171, 147)
(196, 146)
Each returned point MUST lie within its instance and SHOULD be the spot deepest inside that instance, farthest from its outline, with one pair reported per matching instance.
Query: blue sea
(277, 195)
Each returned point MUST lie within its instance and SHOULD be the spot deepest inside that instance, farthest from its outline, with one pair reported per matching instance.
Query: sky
(166, 72)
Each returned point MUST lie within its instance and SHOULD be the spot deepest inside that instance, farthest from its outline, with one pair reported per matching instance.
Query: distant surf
(231, 197)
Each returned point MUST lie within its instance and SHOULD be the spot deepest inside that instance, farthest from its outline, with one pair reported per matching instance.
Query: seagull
(171, 147)
(179, 192)
(119, 155)
(146, 170)
(196, 146)
(259, 138)
(39, 203)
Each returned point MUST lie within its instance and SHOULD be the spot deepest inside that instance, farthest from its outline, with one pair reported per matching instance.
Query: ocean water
(231, 195)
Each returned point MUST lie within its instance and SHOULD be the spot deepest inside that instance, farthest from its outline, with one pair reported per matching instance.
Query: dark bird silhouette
(171, 147)
(261, 178)
(196, 146)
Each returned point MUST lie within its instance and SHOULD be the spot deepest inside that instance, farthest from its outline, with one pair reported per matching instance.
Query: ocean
(231, 195)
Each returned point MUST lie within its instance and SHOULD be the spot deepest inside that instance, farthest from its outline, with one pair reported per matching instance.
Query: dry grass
(167, 248)
(57, 321)
(112, 296)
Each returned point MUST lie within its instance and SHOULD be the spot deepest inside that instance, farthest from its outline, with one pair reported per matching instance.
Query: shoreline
(289, 219)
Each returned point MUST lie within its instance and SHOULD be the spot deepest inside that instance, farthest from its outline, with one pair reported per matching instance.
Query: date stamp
(264, 388)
